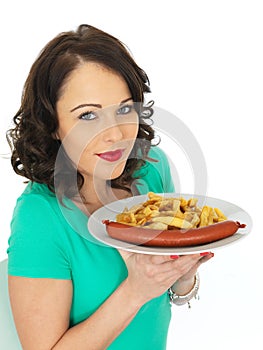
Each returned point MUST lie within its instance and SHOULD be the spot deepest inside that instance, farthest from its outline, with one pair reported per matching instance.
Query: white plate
(109, 212)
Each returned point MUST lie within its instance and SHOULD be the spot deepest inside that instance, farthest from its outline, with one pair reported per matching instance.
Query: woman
(82, 139)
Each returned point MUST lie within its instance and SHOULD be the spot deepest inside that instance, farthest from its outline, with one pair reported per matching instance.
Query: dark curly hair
(34, 147)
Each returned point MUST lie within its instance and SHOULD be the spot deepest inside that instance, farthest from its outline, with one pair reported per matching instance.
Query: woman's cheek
(77, 140)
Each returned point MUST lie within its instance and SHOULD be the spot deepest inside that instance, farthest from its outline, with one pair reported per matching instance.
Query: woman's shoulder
(36, 193)
(155, 174)
(155, 157)
(157, 160)
(37, 246)
(37, 189)
(35, 203)
(157, 153)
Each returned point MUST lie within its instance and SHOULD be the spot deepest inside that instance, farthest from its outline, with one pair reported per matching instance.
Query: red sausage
(172, 238)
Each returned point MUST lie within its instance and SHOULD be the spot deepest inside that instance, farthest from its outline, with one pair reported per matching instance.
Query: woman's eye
(88, 116)
(125, 109)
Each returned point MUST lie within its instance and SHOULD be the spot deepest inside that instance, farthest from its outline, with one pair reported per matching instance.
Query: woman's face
(98, 124)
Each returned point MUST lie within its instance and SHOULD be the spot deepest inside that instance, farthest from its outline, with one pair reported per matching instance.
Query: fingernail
(174, 256)
(205, 253)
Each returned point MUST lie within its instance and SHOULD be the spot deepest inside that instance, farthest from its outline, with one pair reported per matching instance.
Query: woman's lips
(111, 156)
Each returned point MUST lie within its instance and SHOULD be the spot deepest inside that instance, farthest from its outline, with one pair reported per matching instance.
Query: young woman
(82, 139)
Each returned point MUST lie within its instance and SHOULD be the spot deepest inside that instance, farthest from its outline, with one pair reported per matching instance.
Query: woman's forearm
(101, 328)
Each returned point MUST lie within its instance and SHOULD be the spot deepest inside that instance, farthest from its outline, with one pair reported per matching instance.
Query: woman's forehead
(94, 84)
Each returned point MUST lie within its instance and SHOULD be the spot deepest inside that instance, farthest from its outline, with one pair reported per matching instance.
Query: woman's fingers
(186, 263)
(178, 266)
(160, 259)
(151, 275)
(203, 258)
(188, 259)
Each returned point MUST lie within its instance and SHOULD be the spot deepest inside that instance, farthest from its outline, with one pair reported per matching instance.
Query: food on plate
(172, 238)
(171, 222)
(160, 212)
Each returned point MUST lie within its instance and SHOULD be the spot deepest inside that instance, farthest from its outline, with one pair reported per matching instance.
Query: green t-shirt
(51, 241)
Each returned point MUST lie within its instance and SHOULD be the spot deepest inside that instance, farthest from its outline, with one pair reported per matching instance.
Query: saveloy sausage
(172, 238)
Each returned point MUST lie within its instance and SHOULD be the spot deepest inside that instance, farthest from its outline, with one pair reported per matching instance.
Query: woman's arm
(41, 307)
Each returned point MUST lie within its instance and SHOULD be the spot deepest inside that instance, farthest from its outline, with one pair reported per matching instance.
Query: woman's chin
(117, 171)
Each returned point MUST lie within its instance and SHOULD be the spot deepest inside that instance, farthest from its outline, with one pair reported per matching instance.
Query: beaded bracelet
(185, 299)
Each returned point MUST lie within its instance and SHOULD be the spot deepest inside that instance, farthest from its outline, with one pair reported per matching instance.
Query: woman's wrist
(182, 287)
(181, 299)
(134, 299)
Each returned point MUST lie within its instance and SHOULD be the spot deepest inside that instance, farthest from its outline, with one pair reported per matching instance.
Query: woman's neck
(93, 196)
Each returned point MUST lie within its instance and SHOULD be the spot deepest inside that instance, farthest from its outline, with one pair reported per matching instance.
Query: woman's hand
(149, 276)
(191, 273)
(185, 283)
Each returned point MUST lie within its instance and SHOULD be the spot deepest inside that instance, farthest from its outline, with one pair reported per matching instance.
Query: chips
(164, 213)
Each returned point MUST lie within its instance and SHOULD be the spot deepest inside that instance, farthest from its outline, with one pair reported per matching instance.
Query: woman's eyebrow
(126, 100)
(86, 105)
(96, 104)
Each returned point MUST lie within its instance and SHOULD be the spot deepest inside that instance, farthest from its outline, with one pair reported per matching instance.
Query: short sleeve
(36, 246)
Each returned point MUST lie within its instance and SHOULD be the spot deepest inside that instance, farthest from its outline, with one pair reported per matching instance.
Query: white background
(204, 60)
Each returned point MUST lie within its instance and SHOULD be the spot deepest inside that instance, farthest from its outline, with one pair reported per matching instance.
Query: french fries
(164, 213)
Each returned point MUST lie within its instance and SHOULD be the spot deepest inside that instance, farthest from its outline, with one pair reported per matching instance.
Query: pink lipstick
(111, 156)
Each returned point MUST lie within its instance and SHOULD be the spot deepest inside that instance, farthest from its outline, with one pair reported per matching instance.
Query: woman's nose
(112, 129)
(113, 133)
